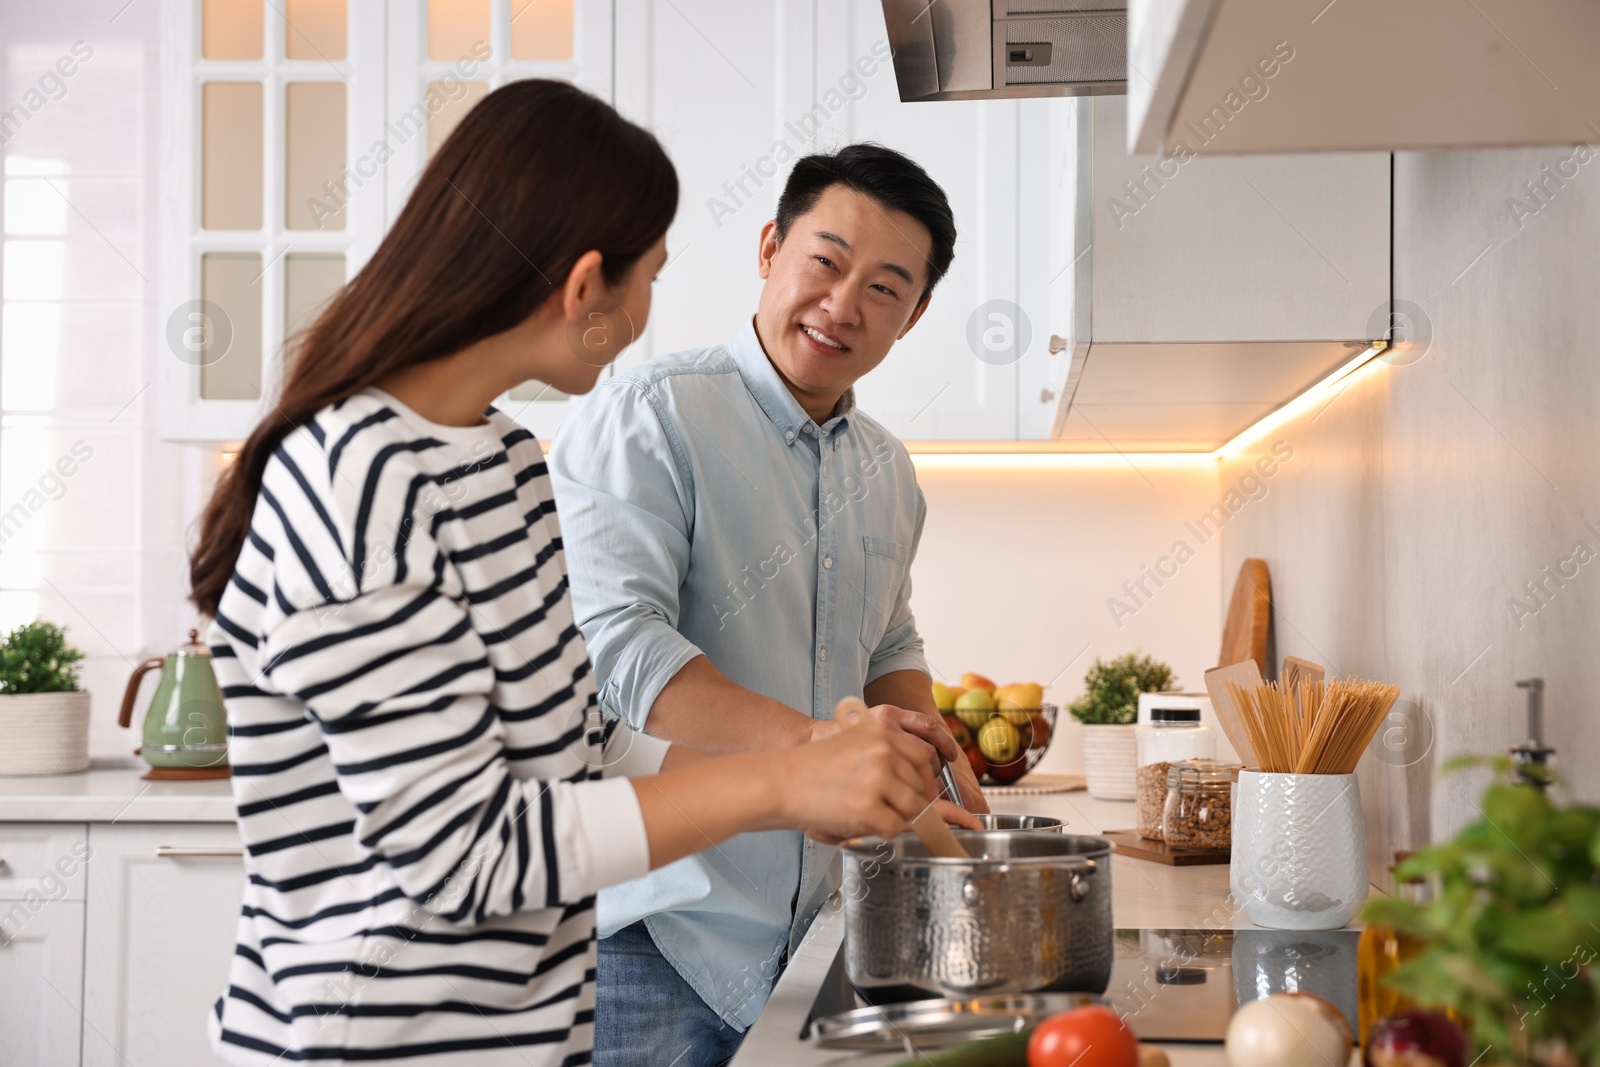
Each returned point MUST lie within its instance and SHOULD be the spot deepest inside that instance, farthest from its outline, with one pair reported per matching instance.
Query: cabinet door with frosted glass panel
(294, 131)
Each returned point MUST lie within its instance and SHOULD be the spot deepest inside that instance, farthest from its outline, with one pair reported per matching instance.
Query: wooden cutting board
(1244, 635)
(1129, 843)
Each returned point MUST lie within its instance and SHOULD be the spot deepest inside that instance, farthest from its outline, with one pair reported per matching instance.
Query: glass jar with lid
(1198, 812)
(1172, 734)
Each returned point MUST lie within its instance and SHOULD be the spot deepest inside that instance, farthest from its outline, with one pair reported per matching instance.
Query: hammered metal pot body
(1032, 915)
(1299, 850)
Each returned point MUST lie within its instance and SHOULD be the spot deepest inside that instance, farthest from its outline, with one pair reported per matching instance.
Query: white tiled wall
(100, 550)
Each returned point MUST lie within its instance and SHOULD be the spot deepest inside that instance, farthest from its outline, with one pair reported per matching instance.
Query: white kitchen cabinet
(1211, 291)
(736, 93)
(718, 82)
(1360, 75)
(41, 982)
(45, 858)
(933, 385)
(160, 926)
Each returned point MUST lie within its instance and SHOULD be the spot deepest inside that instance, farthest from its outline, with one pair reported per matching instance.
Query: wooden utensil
(1244, 635)
(1246, 675)
(1297, 670)
(928, 824)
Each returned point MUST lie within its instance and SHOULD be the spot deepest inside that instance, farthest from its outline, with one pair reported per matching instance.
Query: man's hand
(939, 746)
(971, 794)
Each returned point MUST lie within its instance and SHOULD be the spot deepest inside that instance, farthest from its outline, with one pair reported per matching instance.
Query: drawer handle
(169, 852)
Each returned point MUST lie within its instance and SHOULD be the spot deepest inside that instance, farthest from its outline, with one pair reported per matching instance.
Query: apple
(975, 707)
(977, 681)
(1415, 1039)
(958, 730)
(980, 766)
(1006, 773)
(1018, 702)
(1041, 732)
(943, 698)
(1000, 741)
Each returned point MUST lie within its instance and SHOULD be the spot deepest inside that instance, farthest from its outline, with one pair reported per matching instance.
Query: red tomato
(1083, 1037)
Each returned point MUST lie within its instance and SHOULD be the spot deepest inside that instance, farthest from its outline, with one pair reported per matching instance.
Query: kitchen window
(294, 131)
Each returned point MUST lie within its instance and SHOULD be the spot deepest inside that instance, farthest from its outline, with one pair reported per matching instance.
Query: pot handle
(125, 717)
(1077, 886)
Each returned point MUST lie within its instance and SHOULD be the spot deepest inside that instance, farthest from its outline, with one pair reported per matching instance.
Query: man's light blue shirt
(703, 512)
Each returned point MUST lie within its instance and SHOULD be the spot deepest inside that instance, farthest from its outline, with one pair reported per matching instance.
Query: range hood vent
(994, 49)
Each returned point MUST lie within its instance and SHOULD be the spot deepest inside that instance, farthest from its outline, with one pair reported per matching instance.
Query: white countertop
(113, 791)
(1144, 894)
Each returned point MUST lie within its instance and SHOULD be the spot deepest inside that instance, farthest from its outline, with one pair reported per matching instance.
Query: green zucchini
(1009, 1050)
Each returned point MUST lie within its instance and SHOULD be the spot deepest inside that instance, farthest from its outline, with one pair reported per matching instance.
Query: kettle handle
(125, 718)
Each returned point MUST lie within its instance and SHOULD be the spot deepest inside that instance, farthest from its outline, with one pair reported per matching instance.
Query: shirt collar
(762, 379)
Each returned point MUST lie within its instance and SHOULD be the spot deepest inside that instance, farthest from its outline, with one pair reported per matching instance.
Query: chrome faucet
(1533, 750)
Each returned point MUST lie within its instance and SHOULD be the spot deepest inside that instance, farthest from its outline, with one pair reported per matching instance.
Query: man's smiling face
(843, 285)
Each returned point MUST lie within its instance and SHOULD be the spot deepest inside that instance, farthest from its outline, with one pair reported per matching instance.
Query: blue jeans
(646, 1015)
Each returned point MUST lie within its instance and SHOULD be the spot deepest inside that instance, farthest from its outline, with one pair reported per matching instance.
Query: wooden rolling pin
(928, 824)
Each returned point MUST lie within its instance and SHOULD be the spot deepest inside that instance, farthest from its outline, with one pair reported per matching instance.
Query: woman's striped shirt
(427, 794)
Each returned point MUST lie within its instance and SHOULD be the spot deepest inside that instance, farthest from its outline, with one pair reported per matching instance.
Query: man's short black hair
(888, 177)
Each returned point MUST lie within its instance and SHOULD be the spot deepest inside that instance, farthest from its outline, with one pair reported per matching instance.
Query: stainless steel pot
(1030, 912)
(1046, 823)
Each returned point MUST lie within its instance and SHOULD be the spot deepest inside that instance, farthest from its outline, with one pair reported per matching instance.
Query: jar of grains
(1199, 807)
(1172, 734)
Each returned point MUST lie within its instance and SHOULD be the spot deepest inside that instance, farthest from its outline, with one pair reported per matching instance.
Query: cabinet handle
(169, 852)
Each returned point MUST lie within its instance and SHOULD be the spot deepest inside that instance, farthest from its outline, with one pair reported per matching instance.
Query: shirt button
(824, 468)
(822, 654)
(789, 436)
(827, 562)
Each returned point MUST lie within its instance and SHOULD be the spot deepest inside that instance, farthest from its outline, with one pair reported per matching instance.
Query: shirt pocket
(883, 574)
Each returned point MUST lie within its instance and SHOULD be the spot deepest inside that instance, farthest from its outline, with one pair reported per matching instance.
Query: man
(740, 540)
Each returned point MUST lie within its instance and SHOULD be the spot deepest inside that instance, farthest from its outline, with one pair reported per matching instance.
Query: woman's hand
(941, 748)
(938, 746)
(869, 780)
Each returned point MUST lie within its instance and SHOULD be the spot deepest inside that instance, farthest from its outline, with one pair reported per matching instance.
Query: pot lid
(932, 1024)
(193, 646)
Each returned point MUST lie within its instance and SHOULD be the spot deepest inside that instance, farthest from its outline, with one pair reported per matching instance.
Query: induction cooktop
(1183, 985)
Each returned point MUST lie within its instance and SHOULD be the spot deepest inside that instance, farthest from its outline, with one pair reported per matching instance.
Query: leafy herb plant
(1513, 932)
(1113, 689)
(35, 658)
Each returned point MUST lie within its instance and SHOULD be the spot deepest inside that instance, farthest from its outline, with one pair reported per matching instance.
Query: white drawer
(46, 858)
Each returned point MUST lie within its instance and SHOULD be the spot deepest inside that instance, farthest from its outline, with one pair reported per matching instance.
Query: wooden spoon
(928, 824)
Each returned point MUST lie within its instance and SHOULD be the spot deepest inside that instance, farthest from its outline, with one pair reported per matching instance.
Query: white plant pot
(44, 733)
(1299, 850)
(1108, 753)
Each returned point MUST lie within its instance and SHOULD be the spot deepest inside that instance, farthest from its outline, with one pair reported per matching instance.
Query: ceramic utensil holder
(1299, 850)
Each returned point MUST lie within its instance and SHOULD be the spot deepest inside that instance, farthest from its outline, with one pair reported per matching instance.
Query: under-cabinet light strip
(1300, 404)
(936, 455)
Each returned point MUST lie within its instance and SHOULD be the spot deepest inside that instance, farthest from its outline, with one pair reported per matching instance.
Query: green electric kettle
(186, 727)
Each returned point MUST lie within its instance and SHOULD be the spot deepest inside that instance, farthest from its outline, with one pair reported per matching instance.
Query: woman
(427, 795)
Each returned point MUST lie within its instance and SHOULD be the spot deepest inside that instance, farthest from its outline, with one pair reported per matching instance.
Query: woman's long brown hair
(538, 173)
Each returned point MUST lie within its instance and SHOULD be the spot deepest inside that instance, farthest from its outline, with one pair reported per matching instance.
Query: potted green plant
(1513, 930)
(1107, 709)
(44, 716)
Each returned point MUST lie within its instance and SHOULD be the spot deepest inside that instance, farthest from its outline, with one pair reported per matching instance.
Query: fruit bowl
(1003, 744)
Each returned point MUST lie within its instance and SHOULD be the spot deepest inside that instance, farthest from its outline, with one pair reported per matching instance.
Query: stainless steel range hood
(994, 49)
